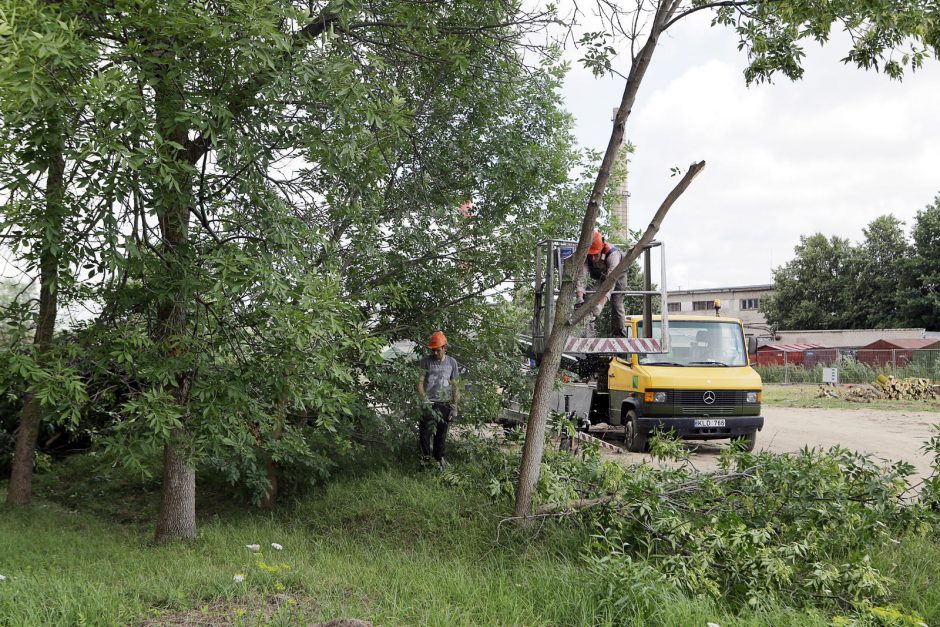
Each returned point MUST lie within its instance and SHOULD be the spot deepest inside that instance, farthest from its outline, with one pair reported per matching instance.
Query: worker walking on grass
(439, 395)
(602, 258)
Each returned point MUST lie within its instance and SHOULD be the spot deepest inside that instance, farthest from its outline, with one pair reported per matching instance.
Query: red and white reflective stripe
(581, 435)
(612, 345)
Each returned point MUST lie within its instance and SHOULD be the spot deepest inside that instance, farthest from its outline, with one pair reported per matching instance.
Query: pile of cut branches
(767, 528)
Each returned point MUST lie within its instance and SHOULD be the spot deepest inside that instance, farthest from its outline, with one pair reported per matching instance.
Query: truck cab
(703, 388)
(693, 380)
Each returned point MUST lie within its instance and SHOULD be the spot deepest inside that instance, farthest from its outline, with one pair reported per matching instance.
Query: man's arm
(455, 387)
(421, 393)
(582, 281)
(613, 260)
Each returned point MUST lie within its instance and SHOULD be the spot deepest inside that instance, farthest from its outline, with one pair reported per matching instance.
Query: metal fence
(853, 365)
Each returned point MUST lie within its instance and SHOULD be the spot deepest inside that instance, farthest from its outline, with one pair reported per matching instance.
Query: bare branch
(607, 285)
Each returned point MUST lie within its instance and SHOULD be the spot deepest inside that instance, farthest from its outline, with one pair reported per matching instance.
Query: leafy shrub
(765, 531)
(768, 528)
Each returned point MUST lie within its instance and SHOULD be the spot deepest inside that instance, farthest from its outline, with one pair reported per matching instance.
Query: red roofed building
(899, 352)
(793, 354)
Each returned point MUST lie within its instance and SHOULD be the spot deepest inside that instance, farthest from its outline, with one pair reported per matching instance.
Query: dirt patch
(887, 435)
(279, 608)
(224, 612)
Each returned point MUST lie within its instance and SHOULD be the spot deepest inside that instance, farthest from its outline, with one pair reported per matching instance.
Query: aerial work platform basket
(550, 260)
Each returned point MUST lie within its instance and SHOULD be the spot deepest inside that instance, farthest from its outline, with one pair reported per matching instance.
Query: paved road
(892, 435)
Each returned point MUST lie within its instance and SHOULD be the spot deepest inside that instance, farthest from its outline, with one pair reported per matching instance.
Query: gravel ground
(889, 435)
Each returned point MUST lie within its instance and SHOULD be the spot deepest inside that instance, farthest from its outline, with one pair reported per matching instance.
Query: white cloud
(828, 153)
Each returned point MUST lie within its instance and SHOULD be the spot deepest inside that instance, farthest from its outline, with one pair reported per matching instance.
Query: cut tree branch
(608, 284)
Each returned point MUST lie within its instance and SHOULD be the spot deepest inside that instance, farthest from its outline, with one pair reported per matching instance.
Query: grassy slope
(805, 395)
(394, 547)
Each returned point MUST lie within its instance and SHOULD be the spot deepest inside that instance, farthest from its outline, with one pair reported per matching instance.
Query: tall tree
(771, 32)
(921, 289)
(45, 71)
(813, 290)
(877, 265)
(284, 183)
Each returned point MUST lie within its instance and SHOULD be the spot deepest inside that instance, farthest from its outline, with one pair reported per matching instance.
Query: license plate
(709, 422)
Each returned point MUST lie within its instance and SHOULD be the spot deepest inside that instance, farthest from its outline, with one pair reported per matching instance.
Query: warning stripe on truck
(585, 437)
(612, 345)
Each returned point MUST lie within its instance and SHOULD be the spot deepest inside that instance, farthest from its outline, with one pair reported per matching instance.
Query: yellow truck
(685, 374)
(702, 388)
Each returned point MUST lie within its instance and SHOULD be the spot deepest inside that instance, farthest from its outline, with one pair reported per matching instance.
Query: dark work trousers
(435, 419)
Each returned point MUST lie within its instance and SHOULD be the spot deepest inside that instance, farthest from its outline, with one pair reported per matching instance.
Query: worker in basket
(601, 260)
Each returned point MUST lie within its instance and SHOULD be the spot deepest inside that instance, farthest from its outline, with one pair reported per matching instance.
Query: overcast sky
(826, 154)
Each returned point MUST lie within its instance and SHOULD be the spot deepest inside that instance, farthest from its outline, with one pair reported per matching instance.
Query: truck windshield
(698, 343)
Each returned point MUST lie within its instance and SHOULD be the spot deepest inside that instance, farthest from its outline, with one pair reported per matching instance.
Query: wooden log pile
(906, 389)
(862, 394)
(885, 387)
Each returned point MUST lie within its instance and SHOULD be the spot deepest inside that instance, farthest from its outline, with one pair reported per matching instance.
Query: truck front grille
(706, 410)
(697, 398)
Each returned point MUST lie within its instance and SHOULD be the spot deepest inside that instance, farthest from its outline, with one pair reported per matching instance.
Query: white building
(741, 302)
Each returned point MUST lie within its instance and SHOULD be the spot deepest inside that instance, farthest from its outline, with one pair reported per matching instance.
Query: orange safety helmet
(437, 340)
(597, 244)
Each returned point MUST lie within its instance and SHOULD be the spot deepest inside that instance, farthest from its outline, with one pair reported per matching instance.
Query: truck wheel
(636, 441)
(746, 442)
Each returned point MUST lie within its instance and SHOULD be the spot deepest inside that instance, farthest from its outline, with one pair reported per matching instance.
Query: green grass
(806, 395)
(914, 565)
(395, 547)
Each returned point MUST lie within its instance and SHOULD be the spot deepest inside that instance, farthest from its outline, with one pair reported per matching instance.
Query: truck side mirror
(751, 345)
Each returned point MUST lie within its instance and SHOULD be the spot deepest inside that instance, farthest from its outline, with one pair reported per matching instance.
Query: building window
(750, 303)
(673, 307)
(702, 305)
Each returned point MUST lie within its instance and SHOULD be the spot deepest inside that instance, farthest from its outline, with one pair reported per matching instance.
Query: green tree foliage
(885, 281)
(46, 86)
(283, 185)
(877, 264)
(920, 296)
(811, 290)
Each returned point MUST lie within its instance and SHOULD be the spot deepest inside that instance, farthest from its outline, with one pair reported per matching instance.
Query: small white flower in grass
(712, 625)
(238, 578)
(276, 546)
(253, 547)
(3, 577)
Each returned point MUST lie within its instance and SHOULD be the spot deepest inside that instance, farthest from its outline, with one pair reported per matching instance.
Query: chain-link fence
(853, 365)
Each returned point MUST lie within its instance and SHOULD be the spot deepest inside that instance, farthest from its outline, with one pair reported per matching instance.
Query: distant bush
(850, 371)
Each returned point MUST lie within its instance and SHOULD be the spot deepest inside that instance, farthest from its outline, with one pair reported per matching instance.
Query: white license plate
(709, 422)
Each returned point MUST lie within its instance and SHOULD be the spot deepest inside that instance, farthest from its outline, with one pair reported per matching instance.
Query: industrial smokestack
(620, 207)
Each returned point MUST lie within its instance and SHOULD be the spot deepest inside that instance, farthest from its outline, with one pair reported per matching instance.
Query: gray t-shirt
(438, 377)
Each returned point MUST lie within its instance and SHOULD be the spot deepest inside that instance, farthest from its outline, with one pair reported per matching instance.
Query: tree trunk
(538, 414)
(561, 331)
(270, 496)
(20, 491)
(177, 517)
